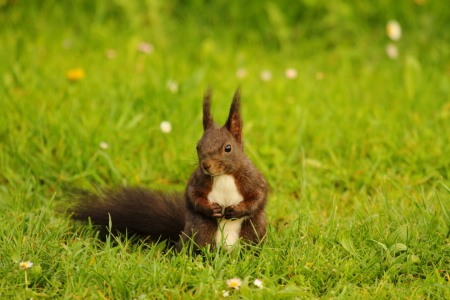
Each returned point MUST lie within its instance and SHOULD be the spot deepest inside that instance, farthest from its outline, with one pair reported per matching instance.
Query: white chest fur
(225, 193)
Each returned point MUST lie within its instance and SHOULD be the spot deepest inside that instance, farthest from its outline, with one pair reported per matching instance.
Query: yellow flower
(234, 283)
(25, 265)
(75, 74)
(111, 54)
(320, 76)
(394, 31)
(241, 72)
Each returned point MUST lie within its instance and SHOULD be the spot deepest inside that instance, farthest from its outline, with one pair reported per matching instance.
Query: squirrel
(223, 202)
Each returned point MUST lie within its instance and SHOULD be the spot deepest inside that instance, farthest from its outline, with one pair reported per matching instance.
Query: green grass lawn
(355, 147)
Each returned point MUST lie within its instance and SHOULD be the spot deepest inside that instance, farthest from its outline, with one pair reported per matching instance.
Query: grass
(355, 148)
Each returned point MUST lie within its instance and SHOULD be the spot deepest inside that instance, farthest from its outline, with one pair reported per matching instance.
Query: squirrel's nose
(206, 166)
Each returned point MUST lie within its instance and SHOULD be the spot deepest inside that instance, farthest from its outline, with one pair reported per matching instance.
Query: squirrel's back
(135, 210)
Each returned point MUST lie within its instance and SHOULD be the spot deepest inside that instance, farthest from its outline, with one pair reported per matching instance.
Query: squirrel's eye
(228, 148)
(196, 148)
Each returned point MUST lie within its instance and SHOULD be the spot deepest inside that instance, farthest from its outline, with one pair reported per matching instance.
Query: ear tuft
(208, 121)
(234, 123)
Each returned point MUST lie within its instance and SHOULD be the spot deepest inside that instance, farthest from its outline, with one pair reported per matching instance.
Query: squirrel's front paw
(232, 212)
(217, 210)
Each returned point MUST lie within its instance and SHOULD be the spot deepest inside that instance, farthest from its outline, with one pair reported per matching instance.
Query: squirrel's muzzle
(209, 168)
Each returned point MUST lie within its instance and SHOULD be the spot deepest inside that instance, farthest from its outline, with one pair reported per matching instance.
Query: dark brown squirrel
(223, 202)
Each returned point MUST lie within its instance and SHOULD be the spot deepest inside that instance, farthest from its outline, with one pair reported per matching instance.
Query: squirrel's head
(221, 149)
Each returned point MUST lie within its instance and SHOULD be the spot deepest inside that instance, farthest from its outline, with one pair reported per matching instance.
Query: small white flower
(145, 47)
(241, 72)
(25, 265)
(172, 85)
(234, 283)
(225, 293)
(104, 145)
(266, 75)
(392, 51)
(258, 283)
(166, 127)
(394, 31)
(291, 73)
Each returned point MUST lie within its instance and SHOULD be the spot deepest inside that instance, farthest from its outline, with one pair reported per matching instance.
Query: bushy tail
(157, 214)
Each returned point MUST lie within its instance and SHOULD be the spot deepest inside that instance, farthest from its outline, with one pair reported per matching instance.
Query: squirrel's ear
(234, 122)
(208, 121)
